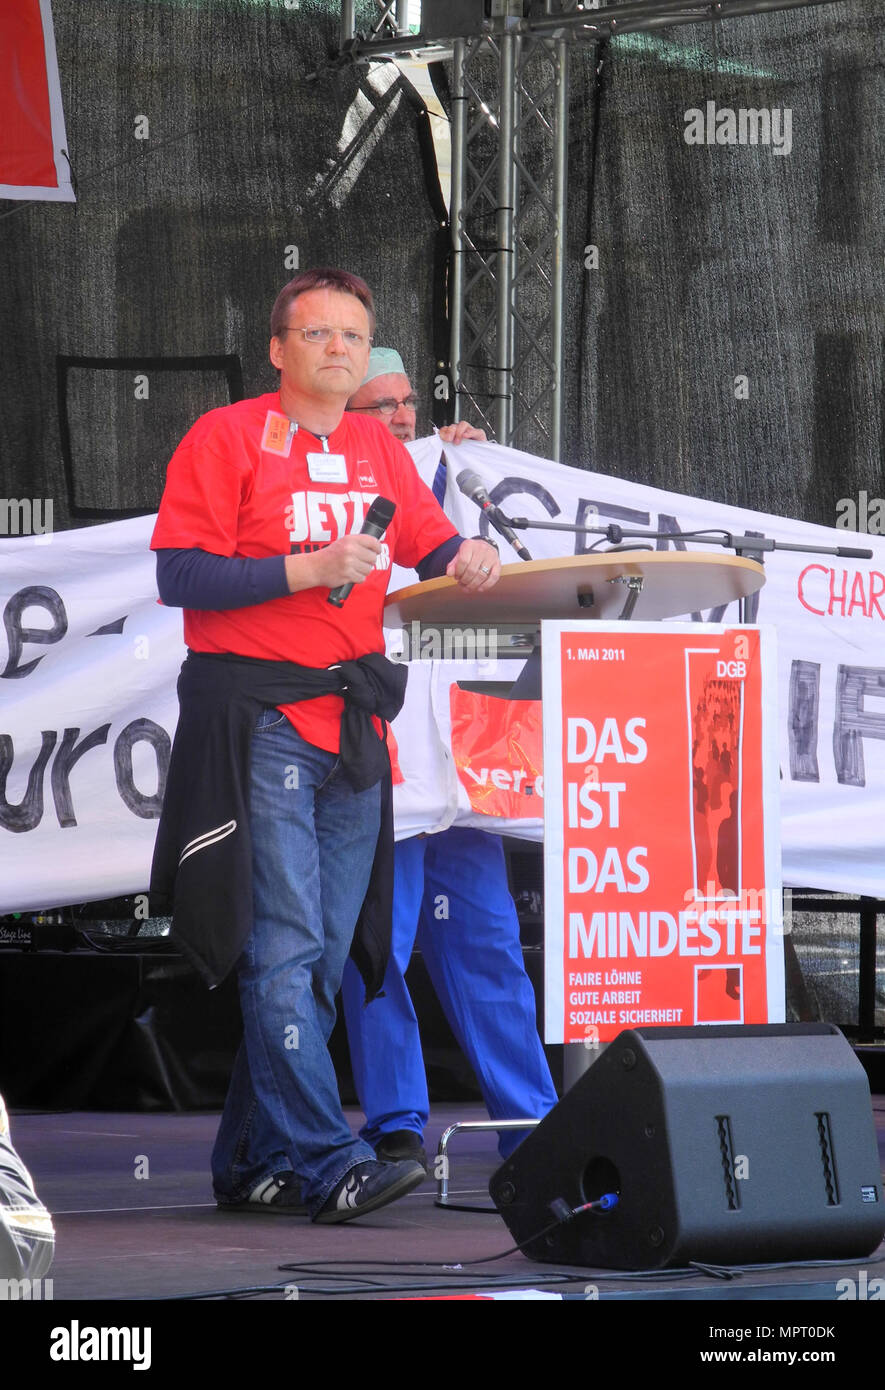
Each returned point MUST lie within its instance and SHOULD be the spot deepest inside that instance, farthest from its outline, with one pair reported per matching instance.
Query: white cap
(384, 362)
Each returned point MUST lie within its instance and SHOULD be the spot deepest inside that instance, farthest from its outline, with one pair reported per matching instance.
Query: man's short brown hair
(320, 278)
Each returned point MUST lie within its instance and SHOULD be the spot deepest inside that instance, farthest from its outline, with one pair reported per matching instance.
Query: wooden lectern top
(585, 586)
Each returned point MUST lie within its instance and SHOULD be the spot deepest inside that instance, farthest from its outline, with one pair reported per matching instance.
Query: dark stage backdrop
(209, 167)
(729, 344)
(726, 261)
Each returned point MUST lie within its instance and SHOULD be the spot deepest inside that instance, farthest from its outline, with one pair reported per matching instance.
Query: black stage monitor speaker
(733, 1145)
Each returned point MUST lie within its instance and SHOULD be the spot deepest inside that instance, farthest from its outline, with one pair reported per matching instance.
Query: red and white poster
(661, 853)
(33, 162)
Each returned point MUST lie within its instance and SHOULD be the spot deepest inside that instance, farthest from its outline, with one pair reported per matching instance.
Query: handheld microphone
(471, 484)
(378, 518)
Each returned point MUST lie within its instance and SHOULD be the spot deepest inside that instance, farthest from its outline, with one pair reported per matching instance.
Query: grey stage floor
(135, 1220)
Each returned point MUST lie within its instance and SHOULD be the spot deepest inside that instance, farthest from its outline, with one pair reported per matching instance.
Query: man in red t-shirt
(260, 519)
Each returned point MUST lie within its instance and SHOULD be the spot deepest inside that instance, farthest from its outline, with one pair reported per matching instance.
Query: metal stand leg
(442, 1154)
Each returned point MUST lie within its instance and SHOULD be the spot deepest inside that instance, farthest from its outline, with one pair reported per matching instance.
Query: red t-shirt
(241, 483)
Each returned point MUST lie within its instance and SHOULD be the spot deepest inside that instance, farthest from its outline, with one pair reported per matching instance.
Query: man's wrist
(299, 573)
(488, 541)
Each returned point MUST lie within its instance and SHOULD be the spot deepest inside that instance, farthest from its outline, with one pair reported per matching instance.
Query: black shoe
(400, 1144)
(279, 1195)
(367, 1187)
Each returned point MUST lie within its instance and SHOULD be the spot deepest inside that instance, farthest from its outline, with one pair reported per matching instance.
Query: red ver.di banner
(661, 850)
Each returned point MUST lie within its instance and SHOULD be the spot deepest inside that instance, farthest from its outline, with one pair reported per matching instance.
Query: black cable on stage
(713, 1271)
(450, 1280)
(453, 1276)
(114, 945)
(564, 1214)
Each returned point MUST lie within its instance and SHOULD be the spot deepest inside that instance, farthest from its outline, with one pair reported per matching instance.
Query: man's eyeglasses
(321, 336)
(388, 406)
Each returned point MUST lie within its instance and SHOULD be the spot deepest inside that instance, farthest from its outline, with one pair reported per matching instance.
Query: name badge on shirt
(279, 432)
(327, 468)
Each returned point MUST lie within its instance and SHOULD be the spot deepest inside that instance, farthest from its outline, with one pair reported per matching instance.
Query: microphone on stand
(377, 520)
(472, 485)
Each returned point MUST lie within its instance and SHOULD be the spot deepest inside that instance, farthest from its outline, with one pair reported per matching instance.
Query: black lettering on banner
(68, 754)
(29, 811)
(110, 629)
(35, 596)
(141, 731)
(669, 523)
(717, 614)
(752, 604)
(853, 723)
(612, 513)
(803, 720)
(511, 487)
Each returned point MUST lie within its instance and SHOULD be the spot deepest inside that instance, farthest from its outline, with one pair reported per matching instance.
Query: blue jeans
(451, 891)
(313, 842)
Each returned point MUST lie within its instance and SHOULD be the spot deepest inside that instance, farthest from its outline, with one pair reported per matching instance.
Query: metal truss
(391, 22)
(508, 215)
(509, 142)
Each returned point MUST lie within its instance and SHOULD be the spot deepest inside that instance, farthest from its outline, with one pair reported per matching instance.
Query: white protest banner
(88, 705)
(88, 713)
(829, 615)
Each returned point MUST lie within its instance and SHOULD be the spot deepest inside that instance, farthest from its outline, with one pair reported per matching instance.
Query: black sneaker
(367, 1187)
(400, 1144)
(279, 1195)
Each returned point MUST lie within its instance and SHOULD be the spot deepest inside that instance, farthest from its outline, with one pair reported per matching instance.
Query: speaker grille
(826, 1157)
(726, 1149)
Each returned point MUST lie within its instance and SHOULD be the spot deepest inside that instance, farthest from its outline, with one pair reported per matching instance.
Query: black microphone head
(470, 483)
(380, 513)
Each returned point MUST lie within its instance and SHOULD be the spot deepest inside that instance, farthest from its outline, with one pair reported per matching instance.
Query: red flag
(32, 127)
